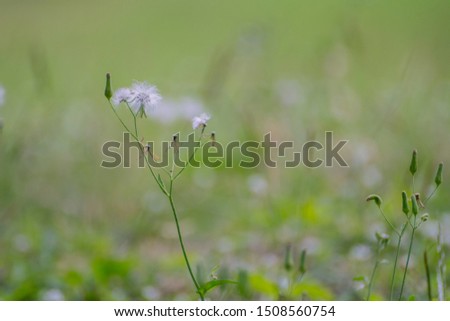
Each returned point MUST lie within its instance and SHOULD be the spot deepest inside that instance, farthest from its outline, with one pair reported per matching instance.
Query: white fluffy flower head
(141, 97)
(200, 120)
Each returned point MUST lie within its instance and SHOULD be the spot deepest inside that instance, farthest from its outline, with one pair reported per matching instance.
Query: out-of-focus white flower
(151, 293)
(2, 95)
(52, 295)
(290, 92)
(171, 110)
(141, 97)
(257, 184)
(200, 120)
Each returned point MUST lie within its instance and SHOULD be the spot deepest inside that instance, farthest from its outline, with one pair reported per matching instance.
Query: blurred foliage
(374, 72)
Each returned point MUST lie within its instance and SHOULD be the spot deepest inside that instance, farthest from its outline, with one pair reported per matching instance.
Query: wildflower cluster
(412, 207)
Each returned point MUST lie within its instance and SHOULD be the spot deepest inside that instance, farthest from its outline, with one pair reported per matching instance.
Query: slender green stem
(190, 157)
(141, 148)
(121, 121)
(428, 276)
(372, 277)
(169, 195)
(134, 120)
(431, 195)
(180, 238)
(407, 259)
(389, 222)
(396, 259)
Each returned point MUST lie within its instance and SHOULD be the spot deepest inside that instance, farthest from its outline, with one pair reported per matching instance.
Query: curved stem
(389, 222)
(121, 121)
(407, 260)
(180, 238)
(431, 195)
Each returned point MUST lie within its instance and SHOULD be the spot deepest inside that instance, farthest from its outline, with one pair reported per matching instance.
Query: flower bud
(302, 267)
(438, 177)
(108, 90)
(373, 197)
(288, 257)
(213, 139)
(415, 207)
(405, 207)
(175, 143)
(413, 166)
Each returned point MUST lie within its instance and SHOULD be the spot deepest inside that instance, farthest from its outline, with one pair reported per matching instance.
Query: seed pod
(405, 207)
(373, 197)
(438, 177)
(413, 166)
(415, 207)
(108, 90)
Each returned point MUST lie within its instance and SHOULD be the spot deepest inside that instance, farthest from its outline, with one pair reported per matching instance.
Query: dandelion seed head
(200, 120)
(141, 97)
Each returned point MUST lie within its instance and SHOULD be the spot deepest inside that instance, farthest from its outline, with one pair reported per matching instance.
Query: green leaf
(360, 279)
(212, 284)
(313, 290)
(260, 284)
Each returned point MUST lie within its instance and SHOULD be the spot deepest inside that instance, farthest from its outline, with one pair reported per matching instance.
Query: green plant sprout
(140, 99)
(412, 208)
(295, 272)
(382, 241)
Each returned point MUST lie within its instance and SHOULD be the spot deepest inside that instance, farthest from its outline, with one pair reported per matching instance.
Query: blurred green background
(375, 73)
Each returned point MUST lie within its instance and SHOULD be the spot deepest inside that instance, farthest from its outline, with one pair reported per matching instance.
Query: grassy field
(375, 73)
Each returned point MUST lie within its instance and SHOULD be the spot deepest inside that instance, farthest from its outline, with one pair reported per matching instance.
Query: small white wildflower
(200, 120)
(2, 95)
(141, 97)
(121, 95)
